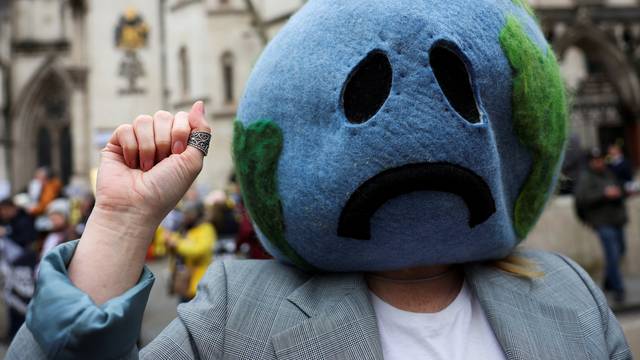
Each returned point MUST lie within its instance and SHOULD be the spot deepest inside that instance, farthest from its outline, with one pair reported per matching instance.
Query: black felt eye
(455, 82)
(367, 88)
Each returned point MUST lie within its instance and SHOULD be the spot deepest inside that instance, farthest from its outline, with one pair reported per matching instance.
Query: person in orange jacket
(44, 188)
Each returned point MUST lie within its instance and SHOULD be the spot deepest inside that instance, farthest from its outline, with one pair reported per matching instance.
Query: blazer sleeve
(66, 323)
(617, 346)
(63, 322)
(25, 347)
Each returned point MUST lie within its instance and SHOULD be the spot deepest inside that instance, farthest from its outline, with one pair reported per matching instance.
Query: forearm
(144, 171)
(110, 256)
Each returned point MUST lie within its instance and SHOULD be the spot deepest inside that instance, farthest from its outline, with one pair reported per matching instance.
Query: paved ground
(162, 309)
(629, 315)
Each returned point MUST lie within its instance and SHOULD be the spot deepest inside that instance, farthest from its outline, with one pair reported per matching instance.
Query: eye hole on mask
(367, 88)
(455, 82)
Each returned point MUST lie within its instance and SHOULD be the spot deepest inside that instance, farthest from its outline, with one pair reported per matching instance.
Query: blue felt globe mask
(381, 135)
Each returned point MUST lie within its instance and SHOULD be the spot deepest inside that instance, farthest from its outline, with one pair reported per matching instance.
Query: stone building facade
(72, 70)
(598, 44)
(44, 68)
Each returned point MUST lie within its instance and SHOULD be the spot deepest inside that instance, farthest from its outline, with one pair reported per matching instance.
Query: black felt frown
(443, 177)
(367, 88)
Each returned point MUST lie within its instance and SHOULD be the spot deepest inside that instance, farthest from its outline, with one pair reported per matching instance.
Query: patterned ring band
(200, 140)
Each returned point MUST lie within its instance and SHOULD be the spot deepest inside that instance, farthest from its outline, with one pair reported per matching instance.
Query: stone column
(4, 174)
(81, 135)
(79, 100)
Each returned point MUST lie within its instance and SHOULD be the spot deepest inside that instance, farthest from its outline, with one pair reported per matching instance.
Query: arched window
(227, 76)
(185, 79)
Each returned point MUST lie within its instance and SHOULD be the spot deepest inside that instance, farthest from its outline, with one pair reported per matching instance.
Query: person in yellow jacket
(193, 249)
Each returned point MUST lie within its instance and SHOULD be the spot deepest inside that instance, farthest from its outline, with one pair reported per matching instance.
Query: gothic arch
(43, 106)
(618, 68)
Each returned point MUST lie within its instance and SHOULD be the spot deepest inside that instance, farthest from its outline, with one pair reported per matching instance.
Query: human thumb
(197, 145)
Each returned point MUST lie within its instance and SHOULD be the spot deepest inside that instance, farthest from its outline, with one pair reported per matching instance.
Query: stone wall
(560, 230)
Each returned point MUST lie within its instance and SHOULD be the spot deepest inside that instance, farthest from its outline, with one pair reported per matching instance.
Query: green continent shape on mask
(256, 151)
(539, 118)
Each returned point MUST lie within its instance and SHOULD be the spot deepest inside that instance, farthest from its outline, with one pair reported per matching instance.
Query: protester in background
(171, 223)
(621, 167)
(18, 261)
(600, 201)
(192, 246)
(223, 213)
(572, 166)
(22, 201)
(43, 189)
(81, 202)
(247, 240)
(58, 220)
(83, 206)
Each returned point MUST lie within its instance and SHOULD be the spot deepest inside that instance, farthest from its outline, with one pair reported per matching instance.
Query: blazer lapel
(526, 326)
(341, 323)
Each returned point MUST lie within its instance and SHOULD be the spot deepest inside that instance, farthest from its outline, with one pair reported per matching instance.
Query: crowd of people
(32, 223)
(47, 214)
(201, 228)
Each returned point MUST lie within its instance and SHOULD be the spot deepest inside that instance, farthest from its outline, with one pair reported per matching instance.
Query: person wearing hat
(58, 225)
(600, 201)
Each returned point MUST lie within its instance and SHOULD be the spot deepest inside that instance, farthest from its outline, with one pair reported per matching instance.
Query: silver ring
(200, 140)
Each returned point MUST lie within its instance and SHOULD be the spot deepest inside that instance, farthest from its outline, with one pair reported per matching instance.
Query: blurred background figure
(191, 247)
(247, 241)
(57, 225)
(223, 216)
(222, 207)
(81, 210)
(43, 189)
(573, 165)
(18, 260)
(600, 203)
(621, 168)
(171, 223)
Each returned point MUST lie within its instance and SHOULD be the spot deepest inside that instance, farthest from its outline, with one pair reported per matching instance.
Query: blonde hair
(518, 265)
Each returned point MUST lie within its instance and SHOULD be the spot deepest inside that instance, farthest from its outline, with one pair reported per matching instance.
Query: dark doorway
(44, 147)
(66, 155)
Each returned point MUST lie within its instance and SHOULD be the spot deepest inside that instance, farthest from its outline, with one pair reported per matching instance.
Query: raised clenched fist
(145, 169)
(147, 166)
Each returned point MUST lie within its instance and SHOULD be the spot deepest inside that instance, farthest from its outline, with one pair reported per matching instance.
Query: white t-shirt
(461, 331)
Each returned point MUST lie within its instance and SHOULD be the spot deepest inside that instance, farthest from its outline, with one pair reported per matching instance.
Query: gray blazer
(266, 310)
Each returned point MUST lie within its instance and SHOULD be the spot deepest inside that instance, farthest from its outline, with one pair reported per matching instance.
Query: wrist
(124, 232)
(111, 253)
(127, 213)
